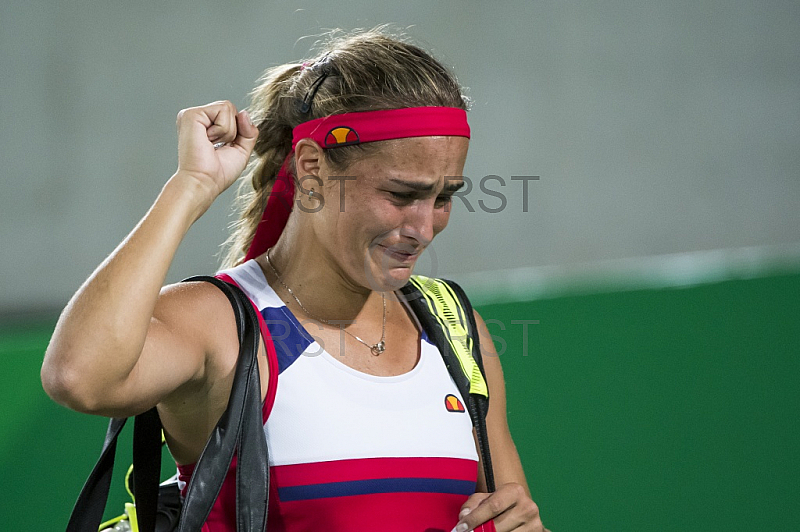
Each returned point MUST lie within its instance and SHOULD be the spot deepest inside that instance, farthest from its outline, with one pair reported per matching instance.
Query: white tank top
(345, 446)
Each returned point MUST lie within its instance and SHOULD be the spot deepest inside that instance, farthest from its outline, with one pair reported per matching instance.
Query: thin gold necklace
(375, 349)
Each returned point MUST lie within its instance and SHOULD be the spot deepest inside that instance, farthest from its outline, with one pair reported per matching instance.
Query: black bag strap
(477, 404)
(241, 426)
(146, 467)
(481, 403)
(88, 509)
(241, 418)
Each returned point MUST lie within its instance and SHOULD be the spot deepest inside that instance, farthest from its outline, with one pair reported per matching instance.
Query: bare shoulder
(190, 297)
(197, 318)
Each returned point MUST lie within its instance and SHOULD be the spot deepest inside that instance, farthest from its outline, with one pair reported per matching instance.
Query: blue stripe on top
(288, 335)
(378, 485)
(424, 336)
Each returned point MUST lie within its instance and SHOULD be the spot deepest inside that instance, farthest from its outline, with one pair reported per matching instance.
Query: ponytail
(268, 110)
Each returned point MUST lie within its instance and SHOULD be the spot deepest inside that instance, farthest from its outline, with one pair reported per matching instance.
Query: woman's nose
(420, 221)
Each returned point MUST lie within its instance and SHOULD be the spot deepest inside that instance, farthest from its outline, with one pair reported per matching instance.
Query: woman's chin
(398, 277)
(389, 275)
(389, 280)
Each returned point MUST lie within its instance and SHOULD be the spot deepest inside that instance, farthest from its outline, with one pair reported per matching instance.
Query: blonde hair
(361, 71)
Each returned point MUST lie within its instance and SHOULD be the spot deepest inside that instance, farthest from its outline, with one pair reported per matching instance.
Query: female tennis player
(350, 162)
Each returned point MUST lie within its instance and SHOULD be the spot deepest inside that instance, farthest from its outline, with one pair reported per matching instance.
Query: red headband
(344, 130)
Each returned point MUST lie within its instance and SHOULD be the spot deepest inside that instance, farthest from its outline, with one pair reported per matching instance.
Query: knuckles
(226, 106)
(511, 496)
(496, 505)
(523, 504)
(529, 509)
(521, 494)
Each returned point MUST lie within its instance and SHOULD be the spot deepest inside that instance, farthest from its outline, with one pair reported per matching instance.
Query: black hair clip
(324, 66)
(304, 105)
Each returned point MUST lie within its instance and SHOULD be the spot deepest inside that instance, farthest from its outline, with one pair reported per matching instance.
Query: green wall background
(635, 410)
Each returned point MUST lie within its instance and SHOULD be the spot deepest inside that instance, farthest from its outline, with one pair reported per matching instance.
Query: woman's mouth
(403, 254)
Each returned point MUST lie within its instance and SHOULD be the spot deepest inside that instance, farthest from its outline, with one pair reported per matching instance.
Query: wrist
(185, 195)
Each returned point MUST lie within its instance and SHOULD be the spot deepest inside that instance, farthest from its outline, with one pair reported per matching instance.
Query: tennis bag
(446, 316)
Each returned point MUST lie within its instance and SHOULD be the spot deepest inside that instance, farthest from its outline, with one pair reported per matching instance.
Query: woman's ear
(308, 158)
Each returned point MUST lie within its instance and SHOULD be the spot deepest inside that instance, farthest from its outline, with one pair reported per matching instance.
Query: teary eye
(403, 196)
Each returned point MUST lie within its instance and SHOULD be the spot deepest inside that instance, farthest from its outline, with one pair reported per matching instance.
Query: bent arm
(103, 329)
(119, 347)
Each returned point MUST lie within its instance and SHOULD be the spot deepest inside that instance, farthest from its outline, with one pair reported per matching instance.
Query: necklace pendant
(378, 348)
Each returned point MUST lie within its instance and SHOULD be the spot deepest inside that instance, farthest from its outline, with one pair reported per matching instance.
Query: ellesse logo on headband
(341, 136)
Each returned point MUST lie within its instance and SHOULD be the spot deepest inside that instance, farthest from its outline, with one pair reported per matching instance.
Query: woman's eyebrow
(451, 186)
(415, 185)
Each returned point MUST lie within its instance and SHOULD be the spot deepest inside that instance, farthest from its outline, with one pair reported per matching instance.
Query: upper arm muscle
(181, 335)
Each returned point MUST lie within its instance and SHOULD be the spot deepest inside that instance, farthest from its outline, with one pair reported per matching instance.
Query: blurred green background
(632, 410)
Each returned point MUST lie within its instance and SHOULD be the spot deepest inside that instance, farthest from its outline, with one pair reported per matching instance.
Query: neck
(317, 281)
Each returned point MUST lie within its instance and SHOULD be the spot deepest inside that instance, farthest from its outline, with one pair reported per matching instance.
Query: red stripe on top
(386, 512)
(370, 468)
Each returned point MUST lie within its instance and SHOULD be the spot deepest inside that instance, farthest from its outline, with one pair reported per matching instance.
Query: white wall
(656, 127)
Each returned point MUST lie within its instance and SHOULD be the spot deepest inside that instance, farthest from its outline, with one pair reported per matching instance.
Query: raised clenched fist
(214, 145)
